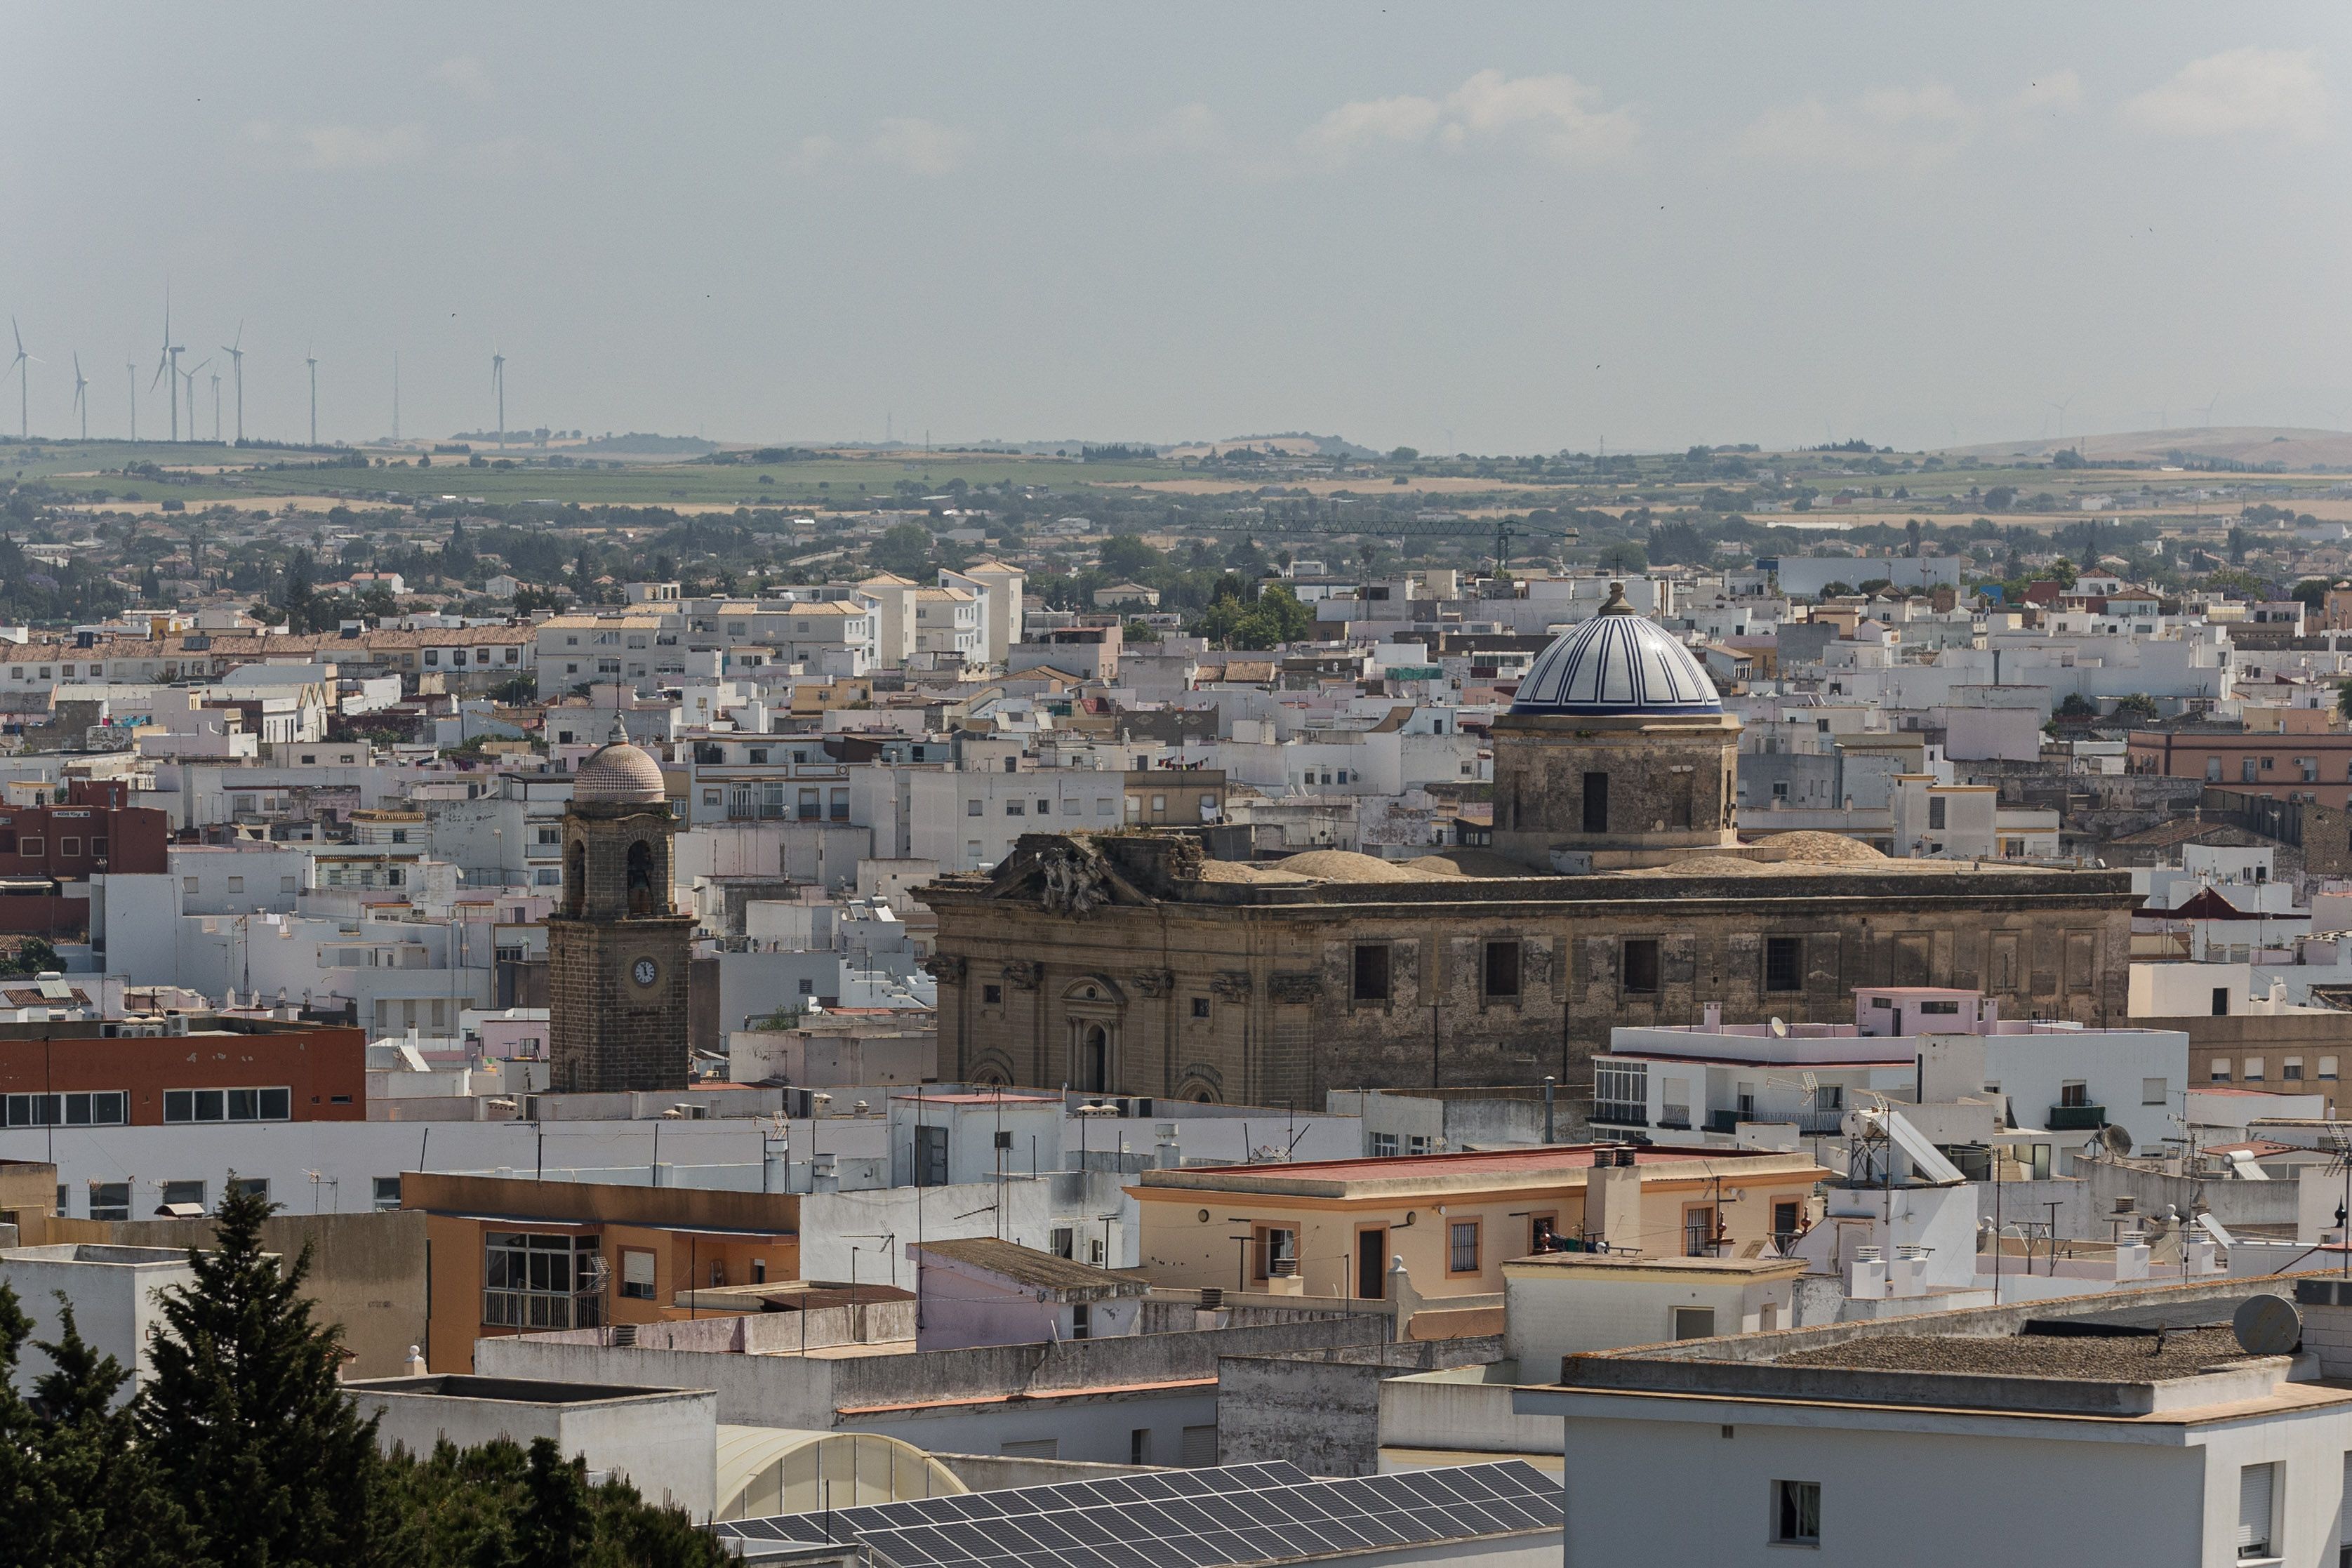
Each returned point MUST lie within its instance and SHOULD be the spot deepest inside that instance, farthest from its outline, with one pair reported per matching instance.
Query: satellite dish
(2117, 1141)
(1853, 1124)
(1779, 1031)
(2267, 1325)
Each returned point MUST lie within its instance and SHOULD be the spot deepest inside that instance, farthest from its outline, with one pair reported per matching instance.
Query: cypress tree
(105, 1508)
(24, 1502)
(244, 1421)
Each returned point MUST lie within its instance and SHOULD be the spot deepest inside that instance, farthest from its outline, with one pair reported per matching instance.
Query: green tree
(2311, 591)
(556, 1525)
(904, 548)
(498, 1507)
(1126, 557)
(73, 1487)
(244, 1420)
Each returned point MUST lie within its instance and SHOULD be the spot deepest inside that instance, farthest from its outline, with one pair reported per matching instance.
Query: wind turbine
(23, 366)
(236, 352)
(188, 379)
(2061, 408)
(312, 361)
(216, 381)
(499, 384)
(133, 369)
(2208, 411)
(169, 361)
(81, 397)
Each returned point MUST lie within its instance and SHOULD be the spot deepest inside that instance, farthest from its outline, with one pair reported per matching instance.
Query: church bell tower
(618, 952)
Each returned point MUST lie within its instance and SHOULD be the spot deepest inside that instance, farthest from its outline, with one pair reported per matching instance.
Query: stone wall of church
(1271, 1003)
(605, 1032)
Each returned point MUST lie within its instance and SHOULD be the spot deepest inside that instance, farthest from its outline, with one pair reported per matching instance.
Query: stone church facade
(1124, 963)
(1109, 964)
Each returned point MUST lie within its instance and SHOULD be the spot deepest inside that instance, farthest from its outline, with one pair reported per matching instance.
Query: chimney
(1714, 1016)
(1166, 1156)
(825, 1173)
(1906, 1276)
(1613, 1201)
(1866, 1275)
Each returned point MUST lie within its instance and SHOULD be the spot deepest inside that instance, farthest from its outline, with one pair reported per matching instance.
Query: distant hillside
(648, 445)
(2256, 445)
(1297, 443)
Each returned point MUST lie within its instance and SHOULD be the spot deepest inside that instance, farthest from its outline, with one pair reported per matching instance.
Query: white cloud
(921, 147)
(1908, 127)
(2056, 91)
(334, 147)
(1555, 117)
(2270, 92)
(464, 74)
(814, 151)
(1192, 129)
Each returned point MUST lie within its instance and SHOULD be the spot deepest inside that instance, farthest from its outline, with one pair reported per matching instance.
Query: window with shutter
(2254, 1488)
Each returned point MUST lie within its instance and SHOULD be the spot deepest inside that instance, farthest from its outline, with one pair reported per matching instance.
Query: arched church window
(641, 878)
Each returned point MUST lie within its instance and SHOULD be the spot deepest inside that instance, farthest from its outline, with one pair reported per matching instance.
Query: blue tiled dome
(1619, 662)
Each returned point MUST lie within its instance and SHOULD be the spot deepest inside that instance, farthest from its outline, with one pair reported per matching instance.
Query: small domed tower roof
(618, 774)
(1619, 662)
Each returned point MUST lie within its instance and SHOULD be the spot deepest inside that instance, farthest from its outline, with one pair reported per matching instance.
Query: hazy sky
(1500, 228)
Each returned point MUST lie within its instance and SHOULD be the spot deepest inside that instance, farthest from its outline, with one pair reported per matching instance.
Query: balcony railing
(543, 1308)
(2077, 1118)
(1620, 1113)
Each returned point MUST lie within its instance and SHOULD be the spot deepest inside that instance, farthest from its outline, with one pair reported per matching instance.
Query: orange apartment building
(512, 1255)
(2315, 766)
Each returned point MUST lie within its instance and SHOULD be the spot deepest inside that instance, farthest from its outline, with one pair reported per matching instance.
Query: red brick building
(95, 832)
(221, 1070)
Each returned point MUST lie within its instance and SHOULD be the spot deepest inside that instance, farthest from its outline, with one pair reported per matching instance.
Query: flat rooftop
(1407, 1174)
(510, 1389)
(2166, 1353)
(2123, 1357)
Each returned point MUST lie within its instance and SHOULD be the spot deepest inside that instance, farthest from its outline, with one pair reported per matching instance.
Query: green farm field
(205, 472)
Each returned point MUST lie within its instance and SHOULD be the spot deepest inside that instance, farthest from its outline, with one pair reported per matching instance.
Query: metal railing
(2077, 1118)
(542, 1309)
(1620, 1113)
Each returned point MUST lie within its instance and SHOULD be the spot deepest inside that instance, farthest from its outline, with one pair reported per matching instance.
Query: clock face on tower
(645, 972)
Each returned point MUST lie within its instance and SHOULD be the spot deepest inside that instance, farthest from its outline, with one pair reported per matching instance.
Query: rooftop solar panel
(1218, 1517)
